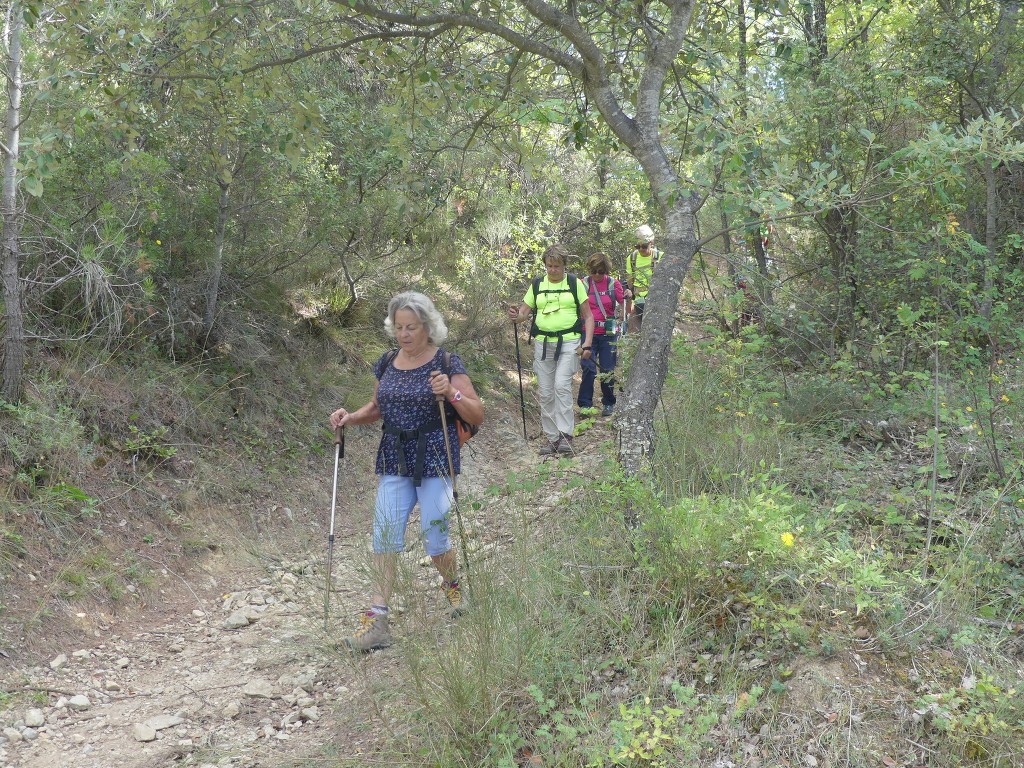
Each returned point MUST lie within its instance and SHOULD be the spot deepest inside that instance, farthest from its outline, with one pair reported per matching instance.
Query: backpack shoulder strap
(389, 357)
(571, 280)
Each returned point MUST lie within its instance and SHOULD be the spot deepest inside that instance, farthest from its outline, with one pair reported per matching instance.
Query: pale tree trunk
(641, 134)
(10, 242)
(217, 268)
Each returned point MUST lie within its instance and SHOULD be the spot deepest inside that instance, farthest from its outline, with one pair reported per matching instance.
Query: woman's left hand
(439, 384)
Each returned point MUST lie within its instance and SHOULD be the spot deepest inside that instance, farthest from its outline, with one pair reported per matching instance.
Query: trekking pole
(451, 476)
(519, 367)
(627, 304)
(339, 453)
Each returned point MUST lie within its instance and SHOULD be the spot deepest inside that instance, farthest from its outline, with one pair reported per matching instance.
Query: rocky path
(235, 670)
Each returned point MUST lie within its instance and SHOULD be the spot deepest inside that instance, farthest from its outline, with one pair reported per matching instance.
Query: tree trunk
(649, 366)
(14, 317)
(217, 268)
(991, 217)
(764, 288)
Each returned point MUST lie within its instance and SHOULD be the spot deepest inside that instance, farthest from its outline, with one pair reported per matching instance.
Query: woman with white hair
(412, 457)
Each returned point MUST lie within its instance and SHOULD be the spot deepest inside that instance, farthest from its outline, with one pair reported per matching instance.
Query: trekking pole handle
(339, 440)
(440, 398)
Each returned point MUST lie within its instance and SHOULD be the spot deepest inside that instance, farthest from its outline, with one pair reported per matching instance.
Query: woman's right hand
(340, 418)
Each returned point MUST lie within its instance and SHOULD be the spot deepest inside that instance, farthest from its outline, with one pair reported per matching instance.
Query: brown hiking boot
(373, 633)
(549, 449)
(458, 603)
(565, 445)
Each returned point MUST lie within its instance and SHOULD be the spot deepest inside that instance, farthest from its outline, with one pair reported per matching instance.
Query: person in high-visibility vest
(639, 269)
(563, 327)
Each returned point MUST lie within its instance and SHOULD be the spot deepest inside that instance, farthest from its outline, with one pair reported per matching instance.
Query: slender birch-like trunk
(10, 242)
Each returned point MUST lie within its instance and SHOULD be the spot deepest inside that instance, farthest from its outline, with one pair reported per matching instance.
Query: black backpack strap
(389, 358)
(420, 436)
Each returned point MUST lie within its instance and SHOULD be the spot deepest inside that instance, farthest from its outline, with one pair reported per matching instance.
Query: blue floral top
(407, 402)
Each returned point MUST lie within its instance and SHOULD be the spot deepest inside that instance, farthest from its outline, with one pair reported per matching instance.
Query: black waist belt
(558, 346)
(420, 436)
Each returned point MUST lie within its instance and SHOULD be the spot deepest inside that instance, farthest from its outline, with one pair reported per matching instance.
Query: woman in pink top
(606, 295)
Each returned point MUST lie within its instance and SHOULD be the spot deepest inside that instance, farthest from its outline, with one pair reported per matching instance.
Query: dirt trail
(234, 668)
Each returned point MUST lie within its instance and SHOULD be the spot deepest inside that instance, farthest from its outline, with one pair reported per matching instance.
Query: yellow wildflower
(788, 539)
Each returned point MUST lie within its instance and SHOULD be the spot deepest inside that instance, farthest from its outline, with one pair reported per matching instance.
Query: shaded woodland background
(206, 208)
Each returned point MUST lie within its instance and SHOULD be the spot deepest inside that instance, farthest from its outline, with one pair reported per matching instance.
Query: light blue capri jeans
(396, 497)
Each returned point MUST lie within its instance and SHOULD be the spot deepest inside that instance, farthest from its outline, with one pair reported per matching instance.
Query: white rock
(142, 732)
(232, 710)
(82, 653)
(301, 682)
(79, 702)
(236, 620)
(291, 717)
(310, 713)
(259, 689)
(34, 718)
(78, 738)
(59, 662)
(252, 612)
(29, 734)
(110, 685)
(123, 662)
(13, 735)
(160, 722)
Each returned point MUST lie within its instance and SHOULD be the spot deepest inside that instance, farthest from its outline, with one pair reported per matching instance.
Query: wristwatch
(457, 397)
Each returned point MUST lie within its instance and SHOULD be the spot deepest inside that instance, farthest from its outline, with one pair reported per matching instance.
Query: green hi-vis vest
(556, 310)
(640, 268)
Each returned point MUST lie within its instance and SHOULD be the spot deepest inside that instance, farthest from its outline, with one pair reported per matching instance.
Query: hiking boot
(372, 634)
(565, 445)
(608, 410)
(549, 449)
(458, 602)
